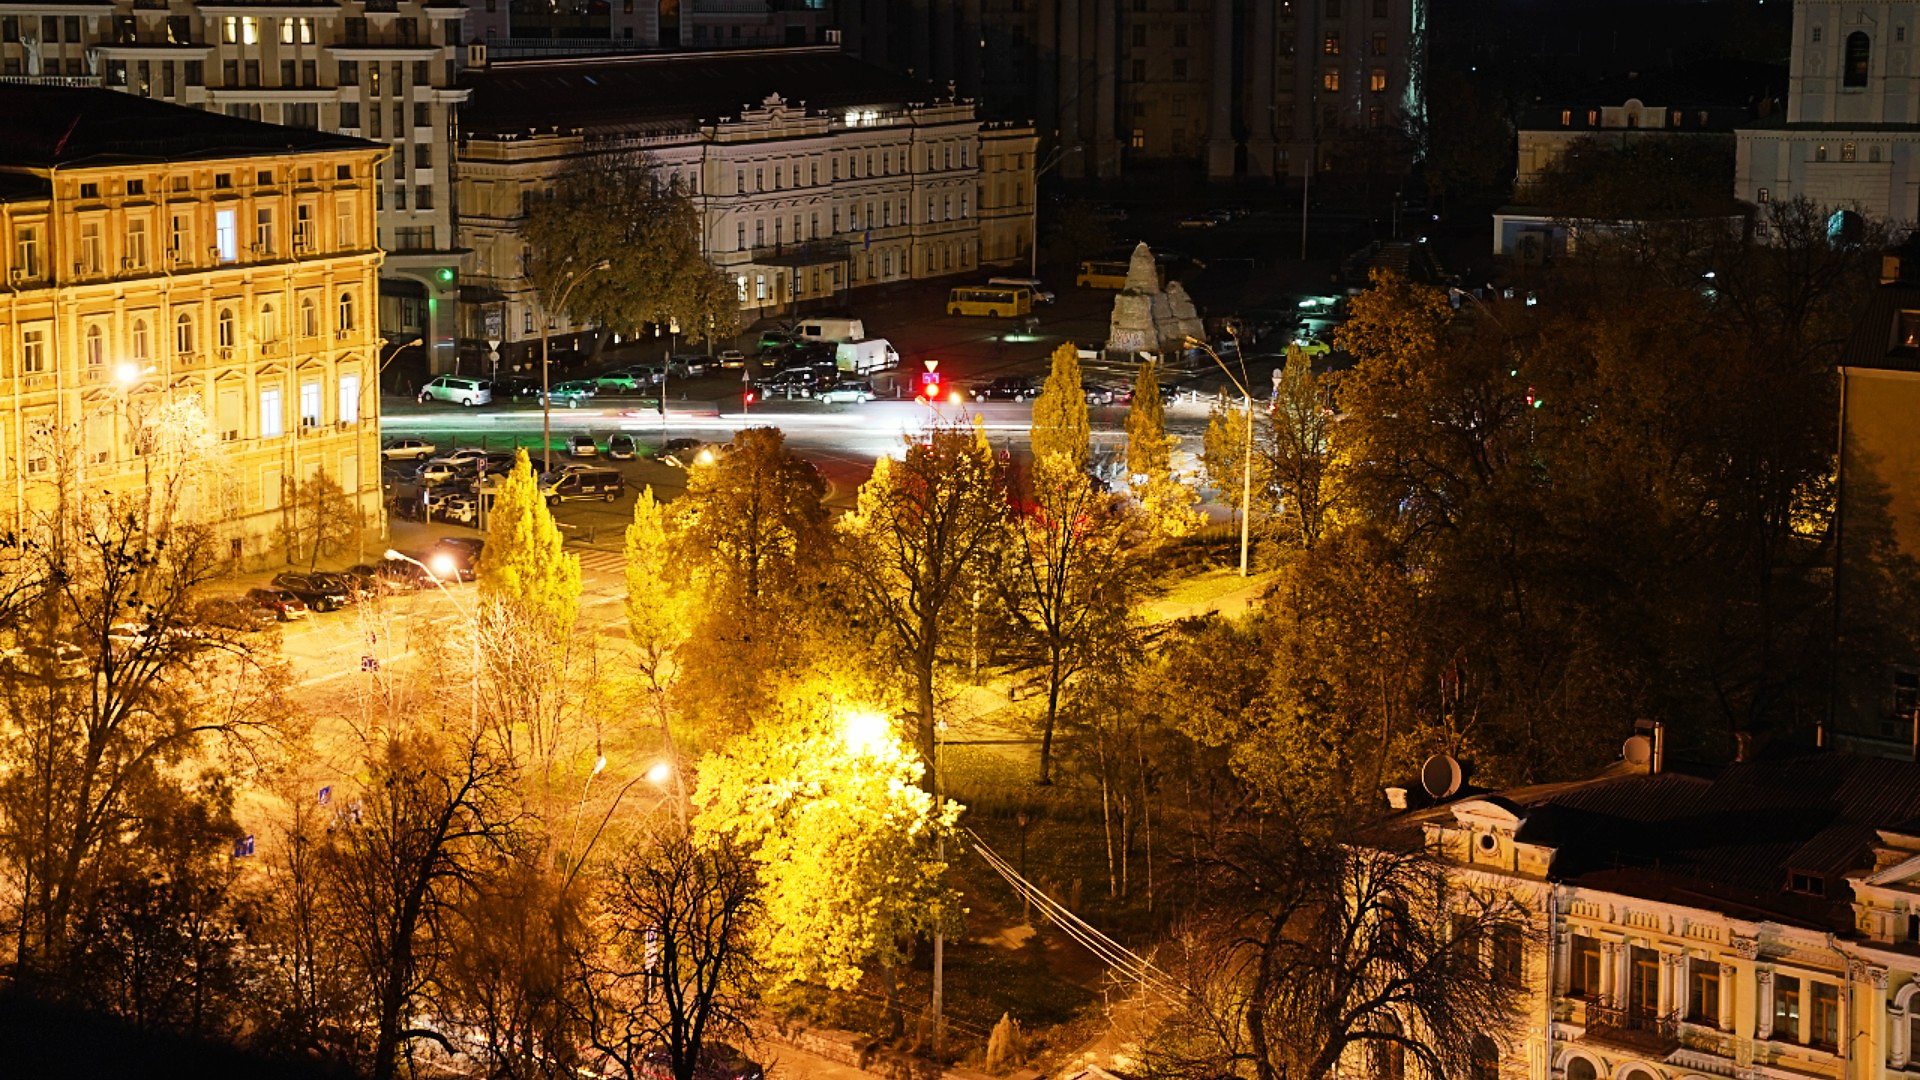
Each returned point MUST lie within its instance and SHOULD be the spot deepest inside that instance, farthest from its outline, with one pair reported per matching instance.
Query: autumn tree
(1060, 429)
(919, 541)
(619, 209)
(752, 532)
(1310, 956)
(680, 919)
(827, 801)
(1226, 447)
(319, 520)
(1303, 420)
(660, 613)
(1165, 503)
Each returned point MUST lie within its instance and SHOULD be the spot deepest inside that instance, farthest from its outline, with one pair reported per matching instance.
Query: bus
(1102, 274)
(993, 302)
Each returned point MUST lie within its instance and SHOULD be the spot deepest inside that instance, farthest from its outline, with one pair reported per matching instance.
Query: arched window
(269, 326)
(1580, 1068)
(346, 311)
(142, 348)
(96, 349)
(1387, 1059)
(309, 317)
(1859, 57)
(183, 334)
(223, 328)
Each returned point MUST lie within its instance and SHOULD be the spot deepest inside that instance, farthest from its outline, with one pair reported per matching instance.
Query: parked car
(365, 581)
(794, 382)
(628, 379)
(408, 450)
(845, 391)
(621, 447)
(498, 463)
(774, 340)
(436, 472)
(731, 358)
(582, 484)
(573, 392)
(242, 613)
(399, 574)
(582, 446)
(313, 590)
(1006, 388)
(60, 660)
(688, 366)
(1199, 221)
(517, 388)
(283, 603)
(717, 1061)
(466, 456)
(458, 390)
(1312, 344)
(679, 452)
(453, 558)
(458, 507)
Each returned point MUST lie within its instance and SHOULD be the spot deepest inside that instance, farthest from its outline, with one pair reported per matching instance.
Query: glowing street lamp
(659, 774)
(866, 731)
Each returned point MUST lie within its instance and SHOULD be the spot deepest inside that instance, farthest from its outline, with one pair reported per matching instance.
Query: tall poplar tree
(1060, 424)
(1167, 504)
(525, 564)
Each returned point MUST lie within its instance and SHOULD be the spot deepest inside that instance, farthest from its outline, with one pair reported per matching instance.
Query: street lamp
(1246, 457)
(446, 565)
(1054, 159)
(546, 403)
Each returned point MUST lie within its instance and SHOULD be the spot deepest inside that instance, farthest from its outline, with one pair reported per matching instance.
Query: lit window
(349, 399)
(273, 414)
(33, 352)
(137, 244)
(1331, 46)
(142, 349)
(346, 311)
(1330, 80)
(223, 328)
(269, 326)
(183, 334)
(1377, 80)
(310, 405)
(226, 235)
(1819, 153)
(309, 317)
(1846, 152)
(96, 350)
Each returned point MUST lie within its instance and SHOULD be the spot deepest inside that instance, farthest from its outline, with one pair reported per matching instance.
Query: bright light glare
(866, 731)
(394, 555)
(705, 458)
(599, 764)
(127, 372)
(957, 398)
(660, 773)
(442, 566)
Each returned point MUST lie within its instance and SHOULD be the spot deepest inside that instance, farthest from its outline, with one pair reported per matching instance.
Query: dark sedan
(318, 591)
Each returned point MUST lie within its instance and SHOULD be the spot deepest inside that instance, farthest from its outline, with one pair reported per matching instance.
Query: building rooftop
(1765, 839)
(1886, 335)
(43, 127)
(638, 92)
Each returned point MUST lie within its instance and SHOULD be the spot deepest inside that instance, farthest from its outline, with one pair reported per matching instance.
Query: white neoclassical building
(1757, 922)
(1849, 137)
(814, 173)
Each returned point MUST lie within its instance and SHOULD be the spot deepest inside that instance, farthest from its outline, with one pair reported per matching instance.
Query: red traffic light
(749, 397)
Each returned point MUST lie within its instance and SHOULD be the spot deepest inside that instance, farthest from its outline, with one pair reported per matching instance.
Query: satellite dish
(1440, 775)
(1638, 750)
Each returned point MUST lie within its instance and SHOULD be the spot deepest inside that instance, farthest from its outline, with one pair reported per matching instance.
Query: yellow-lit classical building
(1758, 923)
(164, 264)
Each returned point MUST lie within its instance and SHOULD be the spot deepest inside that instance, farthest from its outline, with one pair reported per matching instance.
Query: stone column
(1670, 993)
(1609, 967)
(1259, 80)
(1728, 973)
(1763, 1006)
(1220, 101)
(1106, 43)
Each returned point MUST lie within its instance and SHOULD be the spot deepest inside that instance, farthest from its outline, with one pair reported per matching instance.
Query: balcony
(78, 81)
(806, 253)
(1633, 1029)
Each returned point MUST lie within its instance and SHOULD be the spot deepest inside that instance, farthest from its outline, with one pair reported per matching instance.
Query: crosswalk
(598, 562)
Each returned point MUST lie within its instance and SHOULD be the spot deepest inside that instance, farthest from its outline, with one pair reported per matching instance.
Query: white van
(865, 357)
(458, 390)
(830, 329)
(1041, 294)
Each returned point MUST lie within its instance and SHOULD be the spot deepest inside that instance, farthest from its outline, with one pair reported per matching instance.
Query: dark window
(1643, 985)
(1809, 884)
(1509, 956)
(1858, 59)
(1703, 992)
(1786, 1008)
(1823, 1029)
(1486, 1058)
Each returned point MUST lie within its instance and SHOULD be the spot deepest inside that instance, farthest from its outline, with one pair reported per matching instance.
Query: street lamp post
(1033, 247)
(473, 627)
(1246, 456)
(546, 395)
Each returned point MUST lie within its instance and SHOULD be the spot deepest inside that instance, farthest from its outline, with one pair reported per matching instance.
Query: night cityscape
(960, 539)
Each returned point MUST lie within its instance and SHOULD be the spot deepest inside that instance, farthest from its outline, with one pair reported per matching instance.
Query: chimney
(1742, 745)
(1396, 798)
(1655, 733)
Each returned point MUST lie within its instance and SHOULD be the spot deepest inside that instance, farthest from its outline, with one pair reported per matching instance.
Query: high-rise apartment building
(1242, 88)
(190, 287)
(576, 28)
(383, 70)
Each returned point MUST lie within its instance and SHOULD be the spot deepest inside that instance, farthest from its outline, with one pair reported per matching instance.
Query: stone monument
(1148, 318)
